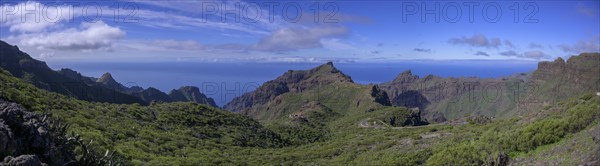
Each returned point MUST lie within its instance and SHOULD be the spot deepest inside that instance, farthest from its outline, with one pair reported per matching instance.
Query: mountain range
(438, 98)
(104, 89)
(318, 116)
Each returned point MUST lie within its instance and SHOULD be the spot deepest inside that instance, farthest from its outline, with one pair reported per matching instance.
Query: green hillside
(155, 133)
(451, 98)
(324, 123)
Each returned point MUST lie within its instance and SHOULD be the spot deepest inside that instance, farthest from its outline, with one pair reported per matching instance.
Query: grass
(194, 134)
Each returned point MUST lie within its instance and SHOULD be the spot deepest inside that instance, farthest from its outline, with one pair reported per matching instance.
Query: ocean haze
(224, 81)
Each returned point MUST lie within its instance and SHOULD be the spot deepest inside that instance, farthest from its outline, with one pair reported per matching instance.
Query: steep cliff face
(21, 65)
(17, 62)
(291, 81)
(449, 98)
(562, 79)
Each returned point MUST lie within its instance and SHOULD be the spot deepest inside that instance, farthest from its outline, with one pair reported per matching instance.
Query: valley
(318, 116)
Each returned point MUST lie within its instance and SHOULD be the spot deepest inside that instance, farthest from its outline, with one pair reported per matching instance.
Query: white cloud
(591, 45)
(163, 45)
(156, 19)
(290, 39)
(587, 11)
(46, 55)
(336, 44)
(535, 55)
(88, 37)
(189, 15)
(477, 40)
(535, 45)
(527, 54)
(299, 59)
(481, 53)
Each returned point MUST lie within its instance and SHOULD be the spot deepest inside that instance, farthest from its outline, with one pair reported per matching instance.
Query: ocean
(224, 81)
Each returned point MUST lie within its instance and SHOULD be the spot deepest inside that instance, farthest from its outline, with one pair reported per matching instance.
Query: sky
(300, 31)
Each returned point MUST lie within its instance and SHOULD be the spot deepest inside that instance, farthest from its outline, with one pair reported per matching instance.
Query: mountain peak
(329, 63)
(559, 60)
(106, 78)
(108, 81)
(291, 81)
(328, 67)
(406, 73)
(406, 76)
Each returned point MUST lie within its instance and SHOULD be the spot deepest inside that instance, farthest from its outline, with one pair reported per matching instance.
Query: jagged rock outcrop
(23, 133)
(183, 94)
(547, 70)
(411, 99)
(23, 160)
(291, 81)
(380, 96)
(405, 77)
(106, 80)
(191, 94)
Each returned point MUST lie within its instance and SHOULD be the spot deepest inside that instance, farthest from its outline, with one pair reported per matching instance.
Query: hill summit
(108, 81)
(290, 81)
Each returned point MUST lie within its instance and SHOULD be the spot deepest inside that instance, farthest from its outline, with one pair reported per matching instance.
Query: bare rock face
(24, 133)
(580, 71)
(547, 70)
(380, 96)
(23, 160)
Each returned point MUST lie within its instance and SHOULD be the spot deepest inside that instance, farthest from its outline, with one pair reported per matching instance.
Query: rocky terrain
(30, 138)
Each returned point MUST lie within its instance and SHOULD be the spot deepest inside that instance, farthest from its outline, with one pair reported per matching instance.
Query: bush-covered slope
(307, 106)
(156, 133)
(188, 133)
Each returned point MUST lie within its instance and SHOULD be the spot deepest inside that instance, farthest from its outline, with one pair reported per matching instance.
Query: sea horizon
(225, 81)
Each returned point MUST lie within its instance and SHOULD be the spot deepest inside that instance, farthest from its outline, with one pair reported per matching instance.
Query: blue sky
(344, 31)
